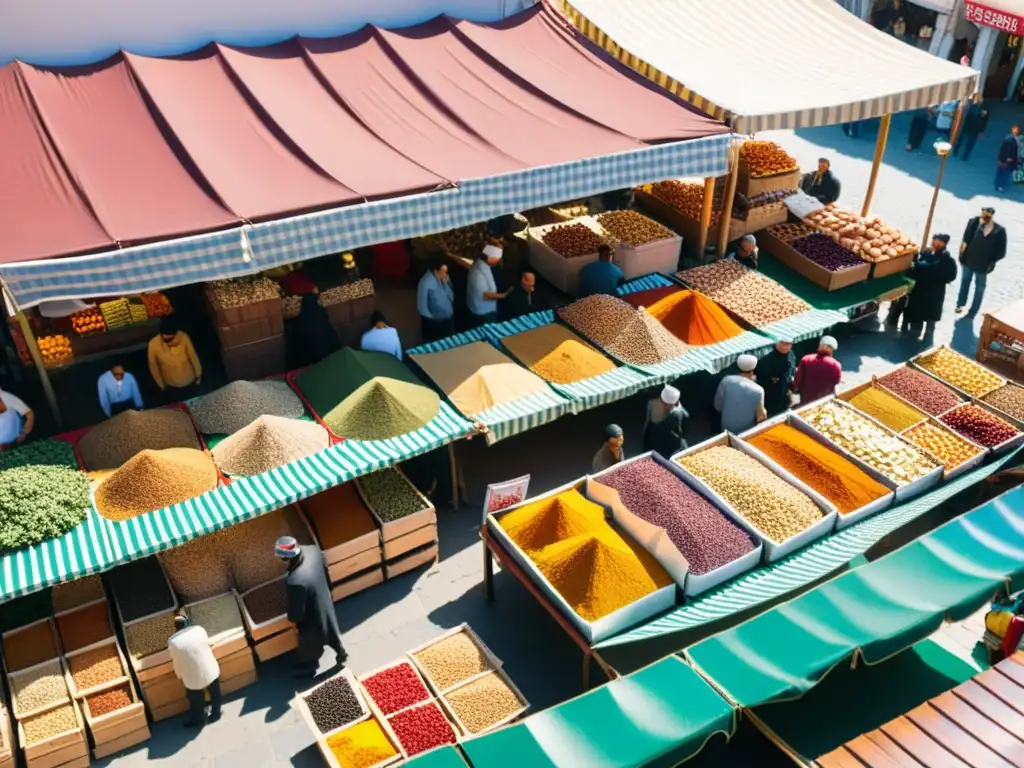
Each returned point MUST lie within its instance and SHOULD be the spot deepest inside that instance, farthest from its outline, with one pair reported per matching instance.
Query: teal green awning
(879, 609)
(442, 757)
(659, 715)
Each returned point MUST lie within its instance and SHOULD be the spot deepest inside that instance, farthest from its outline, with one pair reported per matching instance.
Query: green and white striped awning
(99, 544)
(506, 419)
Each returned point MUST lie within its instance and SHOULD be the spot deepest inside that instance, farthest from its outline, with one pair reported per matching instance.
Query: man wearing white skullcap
(740, 399)
(481, 291)
(819, 373)
(663, 429)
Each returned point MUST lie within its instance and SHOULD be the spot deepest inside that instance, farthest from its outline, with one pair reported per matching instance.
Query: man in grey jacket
(310, 606)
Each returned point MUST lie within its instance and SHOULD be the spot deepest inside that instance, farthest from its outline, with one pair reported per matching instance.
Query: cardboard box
(891, 266)
(255, 360)
(751, 187)
(823, 278)
(561, 272)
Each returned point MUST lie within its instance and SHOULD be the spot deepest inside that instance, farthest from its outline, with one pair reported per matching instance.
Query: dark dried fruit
(422, 728)
(922, 390)
(573, 240)
(333, 705)
(979, 425)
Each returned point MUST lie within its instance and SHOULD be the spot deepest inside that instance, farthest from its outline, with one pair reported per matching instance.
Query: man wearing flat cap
(984, 245)
(775, 372)
(819, 373)
(740, 399)
(310, 606)
(611, 452)
(663, 430)
(933, 269)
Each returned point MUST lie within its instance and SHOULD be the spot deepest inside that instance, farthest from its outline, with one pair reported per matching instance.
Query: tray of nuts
(453, 658)
(331, 705)
(957, 453)
(966, 376)
(485, 703)
(560, 251)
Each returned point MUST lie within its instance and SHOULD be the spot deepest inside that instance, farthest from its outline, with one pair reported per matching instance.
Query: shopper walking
(663, 429)
(196, 666)
(983, 246)
(740, 399)
(118, 391)
(819, 373)
(310, 606)
(1007, 160)
(933, 269)
(775, 372)
(970, 129)
(481, 291)
(611, 452)
(822, 184)
(435, 302)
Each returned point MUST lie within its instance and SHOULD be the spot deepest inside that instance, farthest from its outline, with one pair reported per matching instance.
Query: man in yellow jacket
(173, 362)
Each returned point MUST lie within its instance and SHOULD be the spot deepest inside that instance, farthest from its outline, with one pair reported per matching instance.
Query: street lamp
(942, 149)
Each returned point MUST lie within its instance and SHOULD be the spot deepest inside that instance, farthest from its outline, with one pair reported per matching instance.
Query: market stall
(1001, 342)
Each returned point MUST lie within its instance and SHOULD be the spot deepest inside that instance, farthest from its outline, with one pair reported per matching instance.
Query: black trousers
(434, 330)
(197, 702)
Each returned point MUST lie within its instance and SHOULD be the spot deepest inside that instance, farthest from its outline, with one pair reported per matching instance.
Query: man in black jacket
(775, 372)
(310, 606)
(822, 183)
(933, 269)
(1008, 159)
(983, 246)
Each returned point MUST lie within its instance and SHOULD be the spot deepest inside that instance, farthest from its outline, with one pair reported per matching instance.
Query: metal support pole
(705, 215)
(883, 135)
(730, 196)
(33, 349)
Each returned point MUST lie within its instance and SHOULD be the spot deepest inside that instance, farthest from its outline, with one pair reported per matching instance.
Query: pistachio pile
(632, 228)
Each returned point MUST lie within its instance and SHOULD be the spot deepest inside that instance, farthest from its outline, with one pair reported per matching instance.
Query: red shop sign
(989, 17)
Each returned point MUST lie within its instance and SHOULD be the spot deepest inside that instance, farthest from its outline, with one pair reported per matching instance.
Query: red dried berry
(395, 688)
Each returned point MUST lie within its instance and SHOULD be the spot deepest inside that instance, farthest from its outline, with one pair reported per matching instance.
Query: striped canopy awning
(765, 65)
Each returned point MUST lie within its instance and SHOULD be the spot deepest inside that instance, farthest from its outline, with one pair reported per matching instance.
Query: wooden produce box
(524, 705)
(561, 272)
(250, 330)
(155, 664)
(352, 310)
(688, 228)
(237, 670)
(6, 637)
(170, 591)
(891, 266)
(78, 694)
(255, 360)
(272, 637)
(823, 278)
(493, 661)
(164, 696)
(86, 606)
(64, 750)
(407, 542)
(764, 216)
(357, 583)
(349, 557)
(54, 666)
(395, 528)
(119, 729)
(414, 559)
(751, 187)
(298, 702)
(228, 316)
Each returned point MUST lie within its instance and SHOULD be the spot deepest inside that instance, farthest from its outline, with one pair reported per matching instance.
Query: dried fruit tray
(493, 661)
(654, 539)
(830, 280)
(629, 615)
(773, 550)
(299, 704)
(561, 272)
(375, 705)
(914, 362)
(1006, 445)
(965, 466)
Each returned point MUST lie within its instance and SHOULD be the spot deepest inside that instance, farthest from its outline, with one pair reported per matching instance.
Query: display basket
(493, 661)
(773, 550)
(656, 541)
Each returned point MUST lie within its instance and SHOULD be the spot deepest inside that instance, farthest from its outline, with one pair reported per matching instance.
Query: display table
(1001, 343)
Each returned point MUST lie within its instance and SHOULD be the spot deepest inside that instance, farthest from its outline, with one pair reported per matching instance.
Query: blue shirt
(434, 298)
(382, 340)
(13, 419)
(113, 391)
(481, 281)
(739, 400)
(599, 277)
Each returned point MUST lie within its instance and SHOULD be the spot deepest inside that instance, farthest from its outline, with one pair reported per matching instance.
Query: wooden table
(493, 550)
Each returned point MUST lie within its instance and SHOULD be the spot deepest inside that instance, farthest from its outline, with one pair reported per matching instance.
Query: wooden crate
(298, 702)
(258, 631)
(119, 729)
(343, 569)
(169, 710)
(493, 661)
(751, 187)
(891, 266)
(415, 559)
(513, 716)
(238, 663)
(238, 682)
(56, 750)
(58, 616)
(162, 692)
(357, 583)
(122, 743)
(227, 645)
(406, 543)
(332, 761)
(174, 600)
(404, 525)
(229, 641)
(58, 669)
(823, 278)
(155, 664)
(12, 632)
(77, 694)
(347, 549)
(276, 645)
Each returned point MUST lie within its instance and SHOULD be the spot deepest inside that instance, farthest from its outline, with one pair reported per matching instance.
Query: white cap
(829, 341)
(670, 394)
(746, 363)
(492, 251)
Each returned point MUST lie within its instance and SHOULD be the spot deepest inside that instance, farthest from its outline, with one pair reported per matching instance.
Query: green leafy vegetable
(39, 503)
(55, 453)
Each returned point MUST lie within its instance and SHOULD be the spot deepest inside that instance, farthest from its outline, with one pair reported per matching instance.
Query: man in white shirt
(197, 668)
(16, 419)
(381, 337)
(481, 291)
(740, 399)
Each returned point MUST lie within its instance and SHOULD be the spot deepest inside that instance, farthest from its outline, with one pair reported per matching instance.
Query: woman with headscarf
(932, 271)
(746, 252)
(316, 336)
(663, 429)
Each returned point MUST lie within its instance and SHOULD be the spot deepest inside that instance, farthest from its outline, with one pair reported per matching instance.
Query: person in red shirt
(819, 373)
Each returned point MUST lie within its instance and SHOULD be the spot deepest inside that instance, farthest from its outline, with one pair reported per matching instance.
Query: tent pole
(33, 348)
(455, 476)
(730, 196)
(944, 156)
(705, 215)
(883, 135)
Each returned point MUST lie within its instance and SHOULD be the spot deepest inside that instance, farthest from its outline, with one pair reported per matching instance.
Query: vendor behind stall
(481, 291)
(524, 299)
(663, 430)
(381, 337)
(173, 362)
(611, 452)
(16, 419)
(746, 252)
(435, 302)
(118, 391)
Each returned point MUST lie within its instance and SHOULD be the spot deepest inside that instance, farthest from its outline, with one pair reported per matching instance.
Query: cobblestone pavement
(259, 729)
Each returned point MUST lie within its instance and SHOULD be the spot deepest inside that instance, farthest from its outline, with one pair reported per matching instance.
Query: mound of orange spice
(836, 478)
(688, 315)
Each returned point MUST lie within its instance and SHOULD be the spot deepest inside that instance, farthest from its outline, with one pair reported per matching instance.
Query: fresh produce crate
(656, 256)
(519, 711)
(332, 761)
(493, 662)
(751, 187)
(345, 569)
(277, 645)
(11, 636)
(75, 692)
(164, 696)
(65, 616)
(155, 664)
(229, 641)
(228, 316)
(119, 729)
(237, 670)
(416, 558)
(357, 583)
(891, 266)
(62, 749)
(395, 528)
(272, 637)
(56, 668)
(561, 272)
(773, 550)
(823, 278)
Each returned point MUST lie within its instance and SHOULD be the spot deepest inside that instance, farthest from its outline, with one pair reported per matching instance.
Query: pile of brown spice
(152, 480)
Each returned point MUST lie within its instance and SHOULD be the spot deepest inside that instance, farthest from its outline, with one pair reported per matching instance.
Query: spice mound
(945, 445)
(963, 373)
(363, 745)
(84, 627)
(236, 405)
(452, 660)
(694, 318)
(870, 443)
(109, 701)
(421, 728)
(153, 480)
(706, 537)
(41, 687)
(57, 453)
(267, 443)
(823, 470)
(977, 424)
(631, 335)
(483, 703)
(48, 724)
(338, 515)
(95, 667)
(1008, 399)
(395, 688)
(887, 409)
(757, 299)
(768, 502)
(111, 443)
(39, 503)
(29, 646)
(477, 377)
(390, 495)
(921, 390)
(367, 395)
(333, 704)
(557, 354)
(594, 567)
(149, 636)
